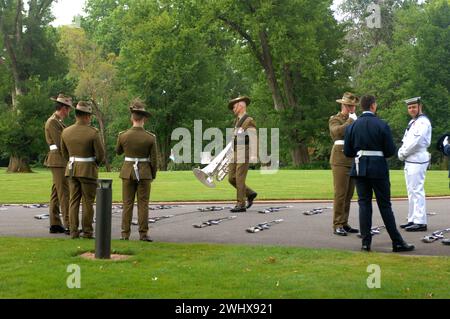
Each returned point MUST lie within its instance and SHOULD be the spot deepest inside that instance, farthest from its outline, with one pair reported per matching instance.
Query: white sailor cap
(413, 100)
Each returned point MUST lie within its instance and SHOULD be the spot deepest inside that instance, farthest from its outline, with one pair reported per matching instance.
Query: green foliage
(415, 65)
(22, 130)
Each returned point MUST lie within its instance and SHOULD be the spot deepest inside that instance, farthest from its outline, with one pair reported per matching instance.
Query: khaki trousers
(237, 173)
(344, 187)
(59, 197)
(85, 188)
(131, 188)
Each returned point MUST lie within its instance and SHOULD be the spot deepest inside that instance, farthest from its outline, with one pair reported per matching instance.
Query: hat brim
(145, 113)
(233, 102)
(346, 102)
(55, 100)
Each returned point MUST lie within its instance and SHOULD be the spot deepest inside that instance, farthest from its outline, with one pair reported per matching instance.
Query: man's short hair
(137, 116)
(367, 101)
(79, 113)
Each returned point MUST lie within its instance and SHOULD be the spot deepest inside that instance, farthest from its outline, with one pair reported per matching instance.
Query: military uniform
(137, 173)
(245, 133)
(416, 140)
(82, 146)
(344, 186)
(55, 161)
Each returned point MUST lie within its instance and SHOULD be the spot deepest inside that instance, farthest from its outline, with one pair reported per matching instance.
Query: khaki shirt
(53, 129)
(136, 142)
(337, 125)
(247, 145)
(82, 140)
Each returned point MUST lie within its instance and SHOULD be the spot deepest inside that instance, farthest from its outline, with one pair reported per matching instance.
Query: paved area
(296, 229)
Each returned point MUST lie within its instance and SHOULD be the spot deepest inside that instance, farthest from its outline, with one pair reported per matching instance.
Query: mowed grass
(183, 186)
(38, 269)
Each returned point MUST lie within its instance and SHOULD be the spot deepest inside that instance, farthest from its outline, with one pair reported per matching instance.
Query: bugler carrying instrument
(217, 169)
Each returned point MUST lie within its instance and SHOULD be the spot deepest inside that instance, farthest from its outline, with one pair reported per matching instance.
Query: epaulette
(150, 133)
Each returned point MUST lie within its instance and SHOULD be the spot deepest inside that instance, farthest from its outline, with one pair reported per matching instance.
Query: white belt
(369, 153)
(136, 160)
(53, 147)
(339, 142)
(365, 153)
(73, 159)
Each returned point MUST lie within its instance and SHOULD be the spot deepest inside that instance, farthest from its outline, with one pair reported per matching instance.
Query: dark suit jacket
(447, 150)
(369, 133)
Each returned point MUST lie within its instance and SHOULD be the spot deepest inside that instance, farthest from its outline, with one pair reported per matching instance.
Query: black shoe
(146, 238)
(238, 209)
(67, 231)
(446, 241)
(250, 199)
(417, 227)
(365, 248)
(57, 229)
(402, 247)
(124, 238)
(340, 231)
(406, 225)
(349, 229)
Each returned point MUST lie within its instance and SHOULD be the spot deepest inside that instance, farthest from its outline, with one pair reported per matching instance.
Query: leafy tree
(96, 77)
(296, 44)
(414, 66)
(29, 50)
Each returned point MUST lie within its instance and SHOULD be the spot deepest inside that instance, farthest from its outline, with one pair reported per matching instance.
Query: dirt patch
(114, 257)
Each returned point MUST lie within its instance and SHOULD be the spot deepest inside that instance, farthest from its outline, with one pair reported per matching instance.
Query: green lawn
(38, 269)
(183, 186)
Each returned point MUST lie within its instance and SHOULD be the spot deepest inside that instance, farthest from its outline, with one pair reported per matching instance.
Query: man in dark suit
(369, 141)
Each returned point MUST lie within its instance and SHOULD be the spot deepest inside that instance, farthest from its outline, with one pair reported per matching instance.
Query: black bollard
(103, 219)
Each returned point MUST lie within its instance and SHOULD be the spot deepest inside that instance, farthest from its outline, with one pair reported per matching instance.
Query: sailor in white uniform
(416, 140)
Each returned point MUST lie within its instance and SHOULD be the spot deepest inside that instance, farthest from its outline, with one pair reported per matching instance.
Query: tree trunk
(18, 165)
(102, 134)
(101, 123)
(300, 154)
(163, 155)
(267, 64)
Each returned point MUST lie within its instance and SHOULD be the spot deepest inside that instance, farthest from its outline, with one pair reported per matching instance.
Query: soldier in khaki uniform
(138, 170)
(245, 152)
(55, 161)
(82, 146)
(344, 186)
